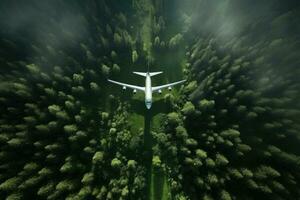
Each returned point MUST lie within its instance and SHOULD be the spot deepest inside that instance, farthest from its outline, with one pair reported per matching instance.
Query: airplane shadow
(138, 106)
(158, 106)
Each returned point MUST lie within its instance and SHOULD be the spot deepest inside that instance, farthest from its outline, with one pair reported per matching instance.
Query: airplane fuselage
(148, 91)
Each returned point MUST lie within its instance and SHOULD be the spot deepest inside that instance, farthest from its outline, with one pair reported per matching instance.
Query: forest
(230, 132)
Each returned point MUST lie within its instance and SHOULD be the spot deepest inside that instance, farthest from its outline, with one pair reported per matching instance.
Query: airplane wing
(128, 85)
(165, 86)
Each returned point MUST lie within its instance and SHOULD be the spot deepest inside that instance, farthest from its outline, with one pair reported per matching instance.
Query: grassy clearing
(136, 122)
(159, 188)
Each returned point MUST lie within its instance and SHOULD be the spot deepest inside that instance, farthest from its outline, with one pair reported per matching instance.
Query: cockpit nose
(148, 104)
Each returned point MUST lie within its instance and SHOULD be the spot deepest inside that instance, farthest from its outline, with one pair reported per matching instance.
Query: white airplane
(148, 89)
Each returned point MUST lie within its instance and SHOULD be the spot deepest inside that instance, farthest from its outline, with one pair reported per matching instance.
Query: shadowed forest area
(230, 132)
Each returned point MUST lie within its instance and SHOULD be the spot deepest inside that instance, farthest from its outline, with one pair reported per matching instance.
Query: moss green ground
(159, 188)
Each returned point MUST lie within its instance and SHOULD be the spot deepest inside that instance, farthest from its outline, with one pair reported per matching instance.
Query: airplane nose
(148, 105)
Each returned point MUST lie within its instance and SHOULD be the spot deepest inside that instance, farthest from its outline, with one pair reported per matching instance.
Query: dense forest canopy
(230, 132)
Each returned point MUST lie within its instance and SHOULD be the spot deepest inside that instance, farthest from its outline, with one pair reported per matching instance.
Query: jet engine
(159, 91)
(169, 88)
(134, 91)
(124, 87)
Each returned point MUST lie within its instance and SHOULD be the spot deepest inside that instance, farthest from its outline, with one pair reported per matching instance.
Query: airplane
(148, 89)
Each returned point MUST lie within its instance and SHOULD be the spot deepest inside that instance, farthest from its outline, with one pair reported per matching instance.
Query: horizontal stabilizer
(140, 73)
(145, 74)
(155, 73)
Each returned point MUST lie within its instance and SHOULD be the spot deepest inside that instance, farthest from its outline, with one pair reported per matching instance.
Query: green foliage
(212, 179)
(69, 105)
(201, 154)
(173, 118)
(50, 92)
(54, 125)
(188, 108)
(117, 39)
(62, 115)
(156, 41)
(115, 69)
(174, 41)
(10, 184)
(16, 142)
(205, 105)
(235, 173)
(42, 128)
(67, 167)
(30, 182)
(264, 172)
(224, 195)
(45, 172)
(221, 160)
(230, 133)
(84, 192)
(207, 197)
(181, 132)
(77, 78)
(156, 162)
(243, 148)
(15, 196)
(70, 129)
(134, 56)
(31, 167)
(105, 70)
(94, 86)
(116, 163)
(191, 142)
(65, 185)
(169, 99)
(98, 157)
(230, 118)
(33, 68)
(113, 55)
(210, 163)
(132, 164)
(87, 178)
(53, 109)
(247, 173)
(190, 87)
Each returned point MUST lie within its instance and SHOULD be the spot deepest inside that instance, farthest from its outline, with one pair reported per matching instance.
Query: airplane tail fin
(144, 74)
